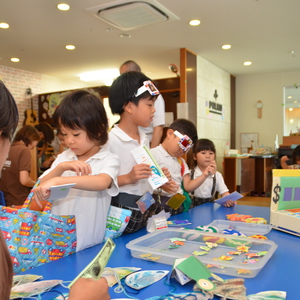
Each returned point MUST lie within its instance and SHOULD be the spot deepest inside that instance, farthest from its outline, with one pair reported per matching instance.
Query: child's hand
(42, 192)
(91, 289)
(210, 169)
(140, 171)
(80, 167)
(284, 158)
(167, 173)
(229, 203)
(171, 187)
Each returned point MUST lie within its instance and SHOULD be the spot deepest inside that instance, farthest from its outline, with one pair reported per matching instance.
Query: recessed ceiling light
(15, 59)
(226, 47)
(290, 97)
(290, 109)
(4, 25)
(247, 63)
(70, 47)
(125, 35)
(194, 22)
(63, 6)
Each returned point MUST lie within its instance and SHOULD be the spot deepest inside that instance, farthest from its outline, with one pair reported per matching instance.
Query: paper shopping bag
(33, 237)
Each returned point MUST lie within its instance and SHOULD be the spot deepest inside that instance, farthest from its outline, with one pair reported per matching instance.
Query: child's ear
(169, 133)
(194, 156)
(128, 107)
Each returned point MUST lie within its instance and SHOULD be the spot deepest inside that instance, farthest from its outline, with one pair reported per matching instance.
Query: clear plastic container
(246, 228)
(155, 247)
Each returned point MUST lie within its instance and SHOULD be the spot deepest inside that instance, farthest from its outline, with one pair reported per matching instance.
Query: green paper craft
(196, 270)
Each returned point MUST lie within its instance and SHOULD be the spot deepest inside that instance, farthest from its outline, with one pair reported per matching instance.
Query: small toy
(242, 248)
(199, 253)
(214, 239)
(238, 217)
(256, 220)
(258, 236)
(207, 229)
(224, 257)
(235, 242)
(233, 232)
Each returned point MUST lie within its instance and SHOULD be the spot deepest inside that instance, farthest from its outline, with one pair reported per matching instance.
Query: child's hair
(85, 111)
(47, 130)
(203, 145)
(123, 89)
(185, 127)
(296, 154)
(27, 134)
(9, 115)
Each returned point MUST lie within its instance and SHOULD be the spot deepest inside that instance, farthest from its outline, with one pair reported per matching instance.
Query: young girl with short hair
(82, 120)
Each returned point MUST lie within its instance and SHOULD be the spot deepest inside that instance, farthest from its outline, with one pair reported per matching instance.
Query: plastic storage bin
(246, 228)
(155, 247)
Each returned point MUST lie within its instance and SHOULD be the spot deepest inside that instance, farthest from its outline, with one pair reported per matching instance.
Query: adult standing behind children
(82, 120)
(15, 178)
(211, 181)
(155, 130)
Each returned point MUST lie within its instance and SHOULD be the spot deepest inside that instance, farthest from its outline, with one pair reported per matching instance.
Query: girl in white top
(212, 180)
(82, 121)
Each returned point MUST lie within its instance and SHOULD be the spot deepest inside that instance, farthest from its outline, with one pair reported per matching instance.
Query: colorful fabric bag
(33, 237)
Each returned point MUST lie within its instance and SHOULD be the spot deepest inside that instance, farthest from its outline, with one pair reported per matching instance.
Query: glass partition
(291, 110)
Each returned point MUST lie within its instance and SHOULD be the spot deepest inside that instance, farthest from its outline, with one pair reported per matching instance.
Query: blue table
(280, 272)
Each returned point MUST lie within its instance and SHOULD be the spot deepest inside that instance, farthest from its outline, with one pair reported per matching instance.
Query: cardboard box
(285, 201)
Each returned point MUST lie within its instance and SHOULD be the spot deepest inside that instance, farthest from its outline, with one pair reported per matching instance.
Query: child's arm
(192, 184)
(283, 161)
(140, 171)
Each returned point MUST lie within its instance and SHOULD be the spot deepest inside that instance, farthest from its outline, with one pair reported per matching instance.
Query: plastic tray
(155, 247)
(246, 228)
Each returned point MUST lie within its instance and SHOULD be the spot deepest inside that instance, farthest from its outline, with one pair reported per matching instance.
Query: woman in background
(47, 136)
(15, 178)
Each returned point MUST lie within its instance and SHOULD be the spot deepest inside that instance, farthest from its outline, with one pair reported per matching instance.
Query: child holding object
(209, 179)
(295, 159)
(132, 96)
(81, 119)
(179, 139)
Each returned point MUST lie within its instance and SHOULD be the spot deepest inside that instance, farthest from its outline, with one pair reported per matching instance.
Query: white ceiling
(262, 31)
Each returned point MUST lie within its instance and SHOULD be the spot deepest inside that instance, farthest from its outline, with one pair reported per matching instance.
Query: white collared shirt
(164, 159)
(121, 144)
(89, 207)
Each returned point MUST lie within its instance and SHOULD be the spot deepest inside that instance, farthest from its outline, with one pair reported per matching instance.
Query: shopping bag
(116, 222)
(33, 237)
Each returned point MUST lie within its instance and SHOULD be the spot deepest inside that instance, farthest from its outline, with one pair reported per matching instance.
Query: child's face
(171, 144)
(143, 112)
(78, 141)
(204, 158)
(32, 145)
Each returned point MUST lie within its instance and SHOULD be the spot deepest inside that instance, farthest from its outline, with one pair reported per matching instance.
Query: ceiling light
(290, 109)
(247, 63)
(102, 75)
(63, 6)
(70, 47)
(15, 59)
(226, 47)
(125, 35)
(194, 22)
(290, 97)
(4, 25)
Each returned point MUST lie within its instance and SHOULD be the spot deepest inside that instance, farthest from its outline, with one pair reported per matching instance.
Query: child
(82, 120)
(15, 179)
(295, 157)
(211, 181)
(132, 96)
(179, 139)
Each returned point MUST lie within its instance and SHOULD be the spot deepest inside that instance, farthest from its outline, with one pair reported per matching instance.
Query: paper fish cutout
(196, 270)
(111, 273)
(22, 279)
(139, 280)
(274, 295)
(185, 296)
(32, 288)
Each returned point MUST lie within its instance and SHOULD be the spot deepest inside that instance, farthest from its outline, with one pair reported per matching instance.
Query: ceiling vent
(133, 14)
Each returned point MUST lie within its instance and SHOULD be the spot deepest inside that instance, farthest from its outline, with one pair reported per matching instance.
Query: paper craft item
(59, 191)
(22, 279)
(272, 295)
(141, 155)
(95, 268)
(139, 280)
(145, 202)
(196, 270)
(158, 221)
(179, 275)
(110, 274)
(176, 200)
(233, 197)
(175, 223)
(32, 288)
